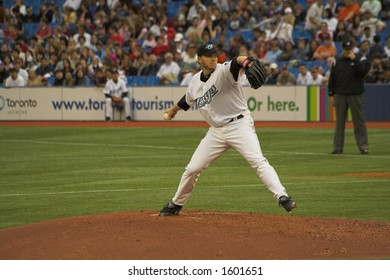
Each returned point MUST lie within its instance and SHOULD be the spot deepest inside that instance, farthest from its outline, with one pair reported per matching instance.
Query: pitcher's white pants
(125, 102)
(239, 134)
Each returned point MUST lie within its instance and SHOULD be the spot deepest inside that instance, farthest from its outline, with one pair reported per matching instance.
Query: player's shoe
(337, 152)
(170, 209)
(287, 203)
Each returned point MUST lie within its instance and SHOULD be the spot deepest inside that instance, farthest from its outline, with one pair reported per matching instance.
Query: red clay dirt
(195, 235)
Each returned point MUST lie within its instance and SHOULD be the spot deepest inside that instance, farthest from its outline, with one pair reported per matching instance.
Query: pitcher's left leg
(246, 142)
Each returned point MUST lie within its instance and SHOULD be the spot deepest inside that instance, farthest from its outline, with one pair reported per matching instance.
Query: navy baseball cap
(347, 45)
(208, 49)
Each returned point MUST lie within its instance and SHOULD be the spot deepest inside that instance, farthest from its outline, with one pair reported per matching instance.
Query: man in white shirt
(374, 6)
(314, 17)
(169, 71)
(304, 77)
(14, 80)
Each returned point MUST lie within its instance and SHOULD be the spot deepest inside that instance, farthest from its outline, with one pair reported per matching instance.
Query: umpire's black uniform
(346, 82)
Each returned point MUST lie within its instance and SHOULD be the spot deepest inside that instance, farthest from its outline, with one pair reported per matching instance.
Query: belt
(236, 118)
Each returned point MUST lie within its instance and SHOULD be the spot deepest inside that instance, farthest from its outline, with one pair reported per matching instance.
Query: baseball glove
(256, 73)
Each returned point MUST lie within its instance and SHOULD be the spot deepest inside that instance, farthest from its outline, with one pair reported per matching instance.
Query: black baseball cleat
(128, 118)
(364, 151)
(108, 119)
(170, 209)
(336, 152)
(287, 203)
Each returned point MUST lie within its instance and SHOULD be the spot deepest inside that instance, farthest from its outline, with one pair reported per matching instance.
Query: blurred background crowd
(154, 42)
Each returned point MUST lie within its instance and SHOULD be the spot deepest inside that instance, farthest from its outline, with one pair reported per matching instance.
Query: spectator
(20, 71)
(69, 79)
(82, 79)
(235, 23)
(44, 69)
(364, 48)
(30, 17)
(99, 79)
(190, 58)
(286, 27)
(330, 19)
(248, 20)
(323, 32)
(194, 28)
(313, 45)
(287, 53)
(375, 24)
(373, 6)
(329, 63)
(314, 17)
(4, 73)
(43, 31)
(304, 77)
(58, 78)
(318, 79)
(327, 49)
(387, 47)
(150, 42)
(348, 12)
(341, 33)
(376, 48)
(194, 10)
(14, 80)
(7, 60)
(152, 66)
(300, 53)
(74, 4)
(20, 7)
(33, 79)
(82, 33)
(169, 71)
(273, 77)
(274, 52)
(161, 48)
(285, 78)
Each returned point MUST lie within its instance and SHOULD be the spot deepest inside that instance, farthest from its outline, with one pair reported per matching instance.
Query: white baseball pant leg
(108, 108)
(240, 135)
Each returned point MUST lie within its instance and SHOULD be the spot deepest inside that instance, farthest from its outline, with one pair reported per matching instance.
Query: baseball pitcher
(217, 92)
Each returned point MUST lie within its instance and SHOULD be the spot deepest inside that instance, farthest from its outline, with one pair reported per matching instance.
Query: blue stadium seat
(30, 29)
(152, 80)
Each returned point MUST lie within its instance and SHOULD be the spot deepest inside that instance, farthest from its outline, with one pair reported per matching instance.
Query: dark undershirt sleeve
(183, 104)
(235, 68)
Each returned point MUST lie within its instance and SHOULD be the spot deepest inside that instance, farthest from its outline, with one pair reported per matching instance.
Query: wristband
(247, 60)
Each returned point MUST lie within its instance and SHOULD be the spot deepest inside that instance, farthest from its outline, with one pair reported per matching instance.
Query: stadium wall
(295, 103)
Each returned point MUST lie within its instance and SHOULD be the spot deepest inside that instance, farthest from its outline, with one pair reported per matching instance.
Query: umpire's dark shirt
(347, 76)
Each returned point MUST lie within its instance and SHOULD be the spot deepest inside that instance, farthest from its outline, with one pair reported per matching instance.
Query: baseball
(166, 117)
(273, 66)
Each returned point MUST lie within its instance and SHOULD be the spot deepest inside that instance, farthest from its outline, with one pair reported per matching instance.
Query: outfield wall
(297, 103)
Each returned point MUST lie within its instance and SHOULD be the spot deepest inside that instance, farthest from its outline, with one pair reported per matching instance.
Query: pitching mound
(196, 235)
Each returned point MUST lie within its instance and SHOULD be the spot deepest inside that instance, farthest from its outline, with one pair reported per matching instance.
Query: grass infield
(52, 172)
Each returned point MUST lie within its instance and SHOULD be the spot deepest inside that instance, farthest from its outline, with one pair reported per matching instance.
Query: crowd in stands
(77, 42)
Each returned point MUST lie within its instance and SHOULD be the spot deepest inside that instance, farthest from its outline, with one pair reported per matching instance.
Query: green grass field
(47, 173)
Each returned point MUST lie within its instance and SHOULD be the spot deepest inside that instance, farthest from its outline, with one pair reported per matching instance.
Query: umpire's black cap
(208, 49)
(347, 45)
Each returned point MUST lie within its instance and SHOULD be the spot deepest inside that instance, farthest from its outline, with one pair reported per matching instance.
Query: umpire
(346, 90)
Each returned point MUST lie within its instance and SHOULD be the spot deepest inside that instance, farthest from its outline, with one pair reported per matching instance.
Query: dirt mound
(196, 235)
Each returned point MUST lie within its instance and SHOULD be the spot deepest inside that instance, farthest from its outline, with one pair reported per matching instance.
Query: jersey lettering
(207, 97)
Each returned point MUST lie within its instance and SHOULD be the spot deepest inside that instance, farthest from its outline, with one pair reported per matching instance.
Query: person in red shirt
(43, 30)
(161, 47)
(115, 36)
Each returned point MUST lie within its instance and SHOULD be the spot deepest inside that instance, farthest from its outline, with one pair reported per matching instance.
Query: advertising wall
(297, 103)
